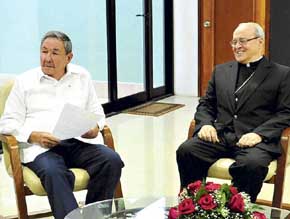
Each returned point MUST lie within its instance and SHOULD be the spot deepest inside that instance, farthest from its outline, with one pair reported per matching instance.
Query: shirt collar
(255, 62)
(41, 76)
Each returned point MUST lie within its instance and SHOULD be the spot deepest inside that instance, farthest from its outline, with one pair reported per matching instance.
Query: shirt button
(236, 99)
(235, 116)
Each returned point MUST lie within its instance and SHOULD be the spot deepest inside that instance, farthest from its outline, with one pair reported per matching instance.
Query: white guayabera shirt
(36, 101)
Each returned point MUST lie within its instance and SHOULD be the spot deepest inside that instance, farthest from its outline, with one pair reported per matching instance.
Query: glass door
(130, 47)
(140, 53)
(158, 43)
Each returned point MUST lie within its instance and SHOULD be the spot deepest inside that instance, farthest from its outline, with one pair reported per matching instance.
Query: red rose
(206, 202)
(173, 213)
(186, 207)
(210, 186)
(193, 187)
(233, 190)
(237, 203)
(259, 215)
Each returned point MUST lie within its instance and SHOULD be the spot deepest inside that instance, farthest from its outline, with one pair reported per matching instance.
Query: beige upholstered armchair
(25, 181)
(276, 173)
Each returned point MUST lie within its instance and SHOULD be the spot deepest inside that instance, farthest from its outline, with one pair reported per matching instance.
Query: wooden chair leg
(120, 204)
(281, 171)
(118, 191)
(21, 205)
(278, 195)
(18, 180)
(108, 140)
(20, 196)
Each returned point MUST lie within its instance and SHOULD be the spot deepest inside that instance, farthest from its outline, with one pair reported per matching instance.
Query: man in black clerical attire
(242, 115)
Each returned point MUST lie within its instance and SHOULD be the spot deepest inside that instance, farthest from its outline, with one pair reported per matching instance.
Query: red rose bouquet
(209, 200)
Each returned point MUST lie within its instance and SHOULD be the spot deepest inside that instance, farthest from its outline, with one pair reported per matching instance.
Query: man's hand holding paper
(91, 133)
(44, 139)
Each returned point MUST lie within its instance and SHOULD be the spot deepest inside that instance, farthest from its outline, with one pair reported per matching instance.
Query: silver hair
(60, 36)
(259, 32)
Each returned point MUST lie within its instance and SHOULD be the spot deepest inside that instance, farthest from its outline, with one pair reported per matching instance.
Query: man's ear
(69, 57)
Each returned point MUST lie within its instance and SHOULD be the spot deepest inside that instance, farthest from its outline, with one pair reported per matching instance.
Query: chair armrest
(279, 179)
(14, 168)
(10, 140)
(286, 132)
(191, 129)
(108, 137)
(10, 152)
(12, 157)
(108, 140)
(285, 141)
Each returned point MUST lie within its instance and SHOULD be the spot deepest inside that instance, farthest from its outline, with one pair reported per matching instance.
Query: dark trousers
(195, 156)
(102, 164)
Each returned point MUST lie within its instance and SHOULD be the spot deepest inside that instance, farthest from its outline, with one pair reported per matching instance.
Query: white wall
(186, 47)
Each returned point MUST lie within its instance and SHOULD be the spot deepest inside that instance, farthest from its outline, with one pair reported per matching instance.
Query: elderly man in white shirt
(31, 112)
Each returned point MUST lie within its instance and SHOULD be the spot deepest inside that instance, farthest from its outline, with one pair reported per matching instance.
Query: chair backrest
(4, 93)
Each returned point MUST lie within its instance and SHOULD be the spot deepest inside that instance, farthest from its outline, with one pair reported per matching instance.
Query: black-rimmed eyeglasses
(242, 41)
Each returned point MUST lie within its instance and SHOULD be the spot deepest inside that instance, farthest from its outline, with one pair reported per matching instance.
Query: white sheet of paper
(74, 122)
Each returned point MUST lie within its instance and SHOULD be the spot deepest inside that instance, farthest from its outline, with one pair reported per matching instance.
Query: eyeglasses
(241, 41)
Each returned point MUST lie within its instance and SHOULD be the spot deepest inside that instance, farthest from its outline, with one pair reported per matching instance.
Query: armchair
(26, 181)
(276, 173)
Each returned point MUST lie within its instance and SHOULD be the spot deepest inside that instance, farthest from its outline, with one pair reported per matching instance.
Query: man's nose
(48, 57)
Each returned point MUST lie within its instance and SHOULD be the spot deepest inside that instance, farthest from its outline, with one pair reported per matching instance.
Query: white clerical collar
(249, 63)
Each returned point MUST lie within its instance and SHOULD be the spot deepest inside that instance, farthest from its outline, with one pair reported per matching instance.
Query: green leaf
(225, 188)
(202, 191)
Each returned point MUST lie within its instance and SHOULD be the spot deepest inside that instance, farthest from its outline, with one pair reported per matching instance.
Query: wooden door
(217, 21)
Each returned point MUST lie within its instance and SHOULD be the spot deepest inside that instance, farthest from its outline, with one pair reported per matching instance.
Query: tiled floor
(147, 145)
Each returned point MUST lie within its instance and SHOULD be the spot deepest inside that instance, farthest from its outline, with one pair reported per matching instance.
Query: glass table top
(145, 208)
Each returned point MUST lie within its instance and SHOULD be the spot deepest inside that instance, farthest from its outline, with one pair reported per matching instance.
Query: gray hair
(259, 32)
(60, 36)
